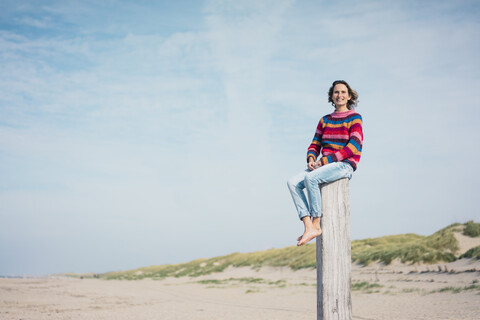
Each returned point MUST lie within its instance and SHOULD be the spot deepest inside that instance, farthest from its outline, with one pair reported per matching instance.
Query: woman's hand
(311, 164)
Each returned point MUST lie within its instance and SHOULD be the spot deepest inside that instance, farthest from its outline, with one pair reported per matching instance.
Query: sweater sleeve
(316, 145)
(352, 149)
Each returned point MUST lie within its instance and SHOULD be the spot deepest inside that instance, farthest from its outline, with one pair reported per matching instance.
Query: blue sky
(136, 133)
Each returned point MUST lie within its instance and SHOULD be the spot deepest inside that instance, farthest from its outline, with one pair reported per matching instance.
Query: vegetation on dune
(293, 257)
(473, 253)
(409, 248)
(441, 246)
(472, 229)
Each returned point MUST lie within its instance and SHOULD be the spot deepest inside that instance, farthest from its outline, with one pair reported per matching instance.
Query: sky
(138, 133)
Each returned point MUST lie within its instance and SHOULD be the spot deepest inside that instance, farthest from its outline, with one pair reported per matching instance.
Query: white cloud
(37, 23)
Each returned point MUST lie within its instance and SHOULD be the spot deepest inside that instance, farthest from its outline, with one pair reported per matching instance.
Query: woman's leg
(296, 185)
(324, 174)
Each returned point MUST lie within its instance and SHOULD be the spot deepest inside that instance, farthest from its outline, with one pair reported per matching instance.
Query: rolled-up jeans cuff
(314, 214)
(303, 215)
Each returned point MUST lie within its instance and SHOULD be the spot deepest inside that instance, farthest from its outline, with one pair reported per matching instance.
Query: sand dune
(465, 243)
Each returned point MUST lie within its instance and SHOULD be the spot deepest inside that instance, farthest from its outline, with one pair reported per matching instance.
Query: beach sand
(397, 291)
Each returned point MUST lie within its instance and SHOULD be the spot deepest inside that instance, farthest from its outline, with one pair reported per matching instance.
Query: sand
(396, 291)
(465, 242)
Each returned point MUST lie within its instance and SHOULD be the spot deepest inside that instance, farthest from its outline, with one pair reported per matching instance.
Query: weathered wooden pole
(334, 300)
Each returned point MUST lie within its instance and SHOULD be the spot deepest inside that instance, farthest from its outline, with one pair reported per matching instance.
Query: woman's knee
(289, 184)
(296, 182)
(308, 178)
(292, 183)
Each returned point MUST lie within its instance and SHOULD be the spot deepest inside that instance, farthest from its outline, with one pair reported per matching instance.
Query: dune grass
(472, 229)
(441, 246)
(293, 257)
(366, 287)
(247, 280)
(473, 253)
(458, 289)
(409, 248)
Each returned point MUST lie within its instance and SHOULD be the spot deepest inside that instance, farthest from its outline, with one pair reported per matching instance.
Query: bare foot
(308, 236)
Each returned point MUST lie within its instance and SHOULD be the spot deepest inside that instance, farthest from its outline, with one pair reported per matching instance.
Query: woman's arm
(314, 148)
(311, 163)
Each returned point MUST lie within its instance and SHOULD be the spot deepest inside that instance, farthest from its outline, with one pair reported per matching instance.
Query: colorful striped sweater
(339, 137)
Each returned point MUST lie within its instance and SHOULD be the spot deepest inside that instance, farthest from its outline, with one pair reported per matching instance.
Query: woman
(334, 154)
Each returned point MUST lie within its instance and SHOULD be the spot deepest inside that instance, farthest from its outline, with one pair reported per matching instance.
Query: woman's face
(340, 96)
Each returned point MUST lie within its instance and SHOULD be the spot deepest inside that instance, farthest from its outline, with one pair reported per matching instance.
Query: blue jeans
(310, 181)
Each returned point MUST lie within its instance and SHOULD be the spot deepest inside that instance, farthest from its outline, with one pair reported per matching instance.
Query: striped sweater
(339, 137)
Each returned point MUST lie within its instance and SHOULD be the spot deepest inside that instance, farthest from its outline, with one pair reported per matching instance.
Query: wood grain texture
(334, 301)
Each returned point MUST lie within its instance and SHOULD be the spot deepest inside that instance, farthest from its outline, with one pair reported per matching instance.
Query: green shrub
(472, 229)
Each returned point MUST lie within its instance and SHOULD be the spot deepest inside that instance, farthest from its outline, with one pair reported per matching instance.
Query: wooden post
(334, 300)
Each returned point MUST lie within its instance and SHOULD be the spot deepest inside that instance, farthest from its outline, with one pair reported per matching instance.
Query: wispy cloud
(37, 23)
